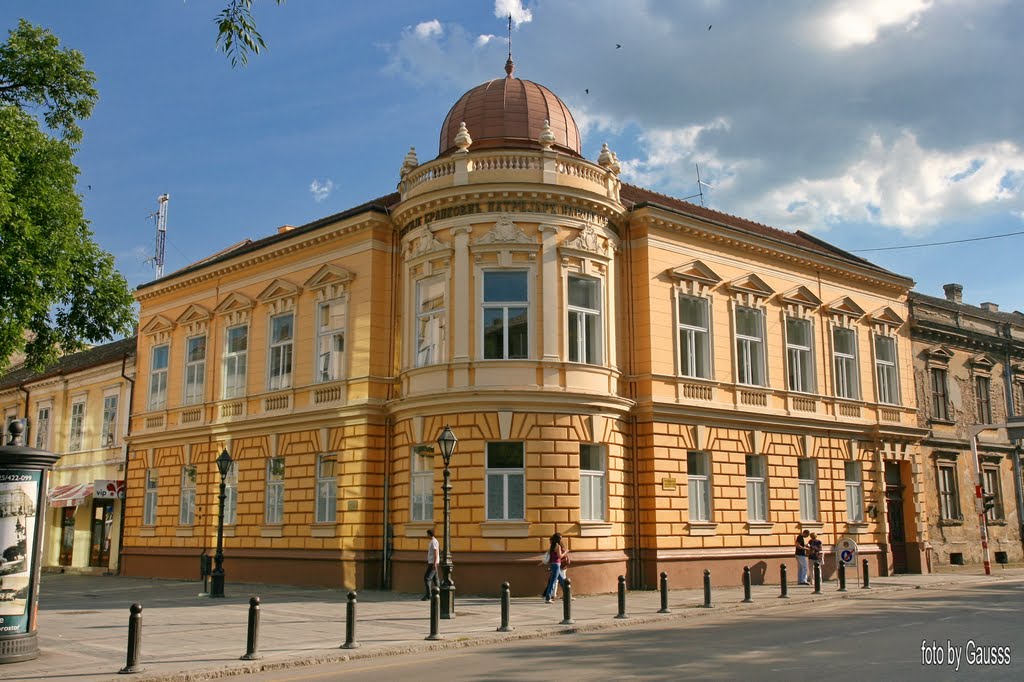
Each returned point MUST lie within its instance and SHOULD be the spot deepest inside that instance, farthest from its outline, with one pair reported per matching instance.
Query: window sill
(813, 526)
(945, 422)
(147, 532)
(183, 532)
(323, 530)
(703, 528)
(505, 529)
(856, 527)
(595, 529)
(951, 522)
(417, 529)
(272, 531)
(760, 527)
(995, 522)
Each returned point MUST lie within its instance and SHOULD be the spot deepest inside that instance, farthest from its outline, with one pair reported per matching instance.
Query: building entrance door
(894, 512)
(67, 535)
(102, 523)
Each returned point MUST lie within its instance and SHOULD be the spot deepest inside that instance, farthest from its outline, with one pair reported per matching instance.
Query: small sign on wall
(668, 484)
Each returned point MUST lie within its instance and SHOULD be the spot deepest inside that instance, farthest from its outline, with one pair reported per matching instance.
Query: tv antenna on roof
(161, 234)
(700, 188)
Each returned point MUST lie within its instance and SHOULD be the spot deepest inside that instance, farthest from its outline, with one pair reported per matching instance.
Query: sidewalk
(83, 622)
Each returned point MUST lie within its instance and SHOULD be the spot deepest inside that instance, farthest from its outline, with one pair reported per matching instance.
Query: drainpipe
(127, 432)
(1011, 410)
(386, 539)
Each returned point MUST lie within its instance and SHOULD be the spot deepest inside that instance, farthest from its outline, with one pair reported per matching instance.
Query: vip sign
(108, 490)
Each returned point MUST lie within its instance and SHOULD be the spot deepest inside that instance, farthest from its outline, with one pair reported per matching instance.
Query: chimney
(954, 292)
(285, 228)
(991, 307)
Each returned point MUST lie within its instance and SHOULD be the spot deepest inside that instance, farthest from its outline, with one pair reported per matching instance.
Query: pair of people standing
(558, 559)
(808, 553)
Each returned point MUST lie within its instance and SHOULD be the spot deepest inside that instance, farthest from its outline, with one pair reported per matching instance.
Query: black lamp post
(217, 575)
(446, 441)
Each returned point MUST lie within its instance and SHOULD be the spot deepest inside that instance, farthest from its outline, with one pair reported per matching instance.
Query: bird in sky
(709, 26)
(617, 46)
(586, 90)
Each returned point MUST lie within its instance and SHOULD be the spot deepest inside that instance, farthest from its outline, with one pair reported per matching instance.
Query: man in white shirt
(430, 577)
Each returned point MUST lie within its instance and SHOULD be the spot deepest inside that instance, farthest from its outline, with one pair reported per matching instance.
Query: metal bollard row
(782, 582)
(435, 614)
(664, 593)
(817, 578)
(350, 623)
(707, 589)
(746, 585)
(253, 633)
(842, 576)
(506, 604)
(134, 641)
(867, 579)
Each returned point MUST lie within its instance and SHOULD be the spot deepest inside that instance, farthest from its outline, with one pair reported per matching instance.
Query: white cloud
(520, 14)
(482, 40)
(321, 190)
(852, 23)
(428, 29)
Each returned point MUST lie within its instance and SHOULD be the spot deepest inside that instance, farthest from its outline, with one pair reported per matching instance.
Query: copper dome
(509, 112)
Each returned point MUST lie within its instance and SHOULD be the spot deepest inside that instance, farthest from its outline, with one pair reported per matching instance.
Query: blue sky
(870, 123)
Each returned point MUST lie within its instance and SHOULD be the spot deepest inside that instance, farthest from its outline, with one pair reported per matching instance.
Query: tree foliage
(58, 288)
(236, 32)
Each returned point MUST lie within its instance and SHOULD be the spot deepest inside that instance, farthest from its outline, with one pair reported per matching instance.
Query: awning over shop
(70, 495)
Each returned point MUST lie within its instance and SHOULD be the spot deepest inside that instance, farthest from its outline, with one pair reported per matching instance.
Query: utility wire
(920, 246)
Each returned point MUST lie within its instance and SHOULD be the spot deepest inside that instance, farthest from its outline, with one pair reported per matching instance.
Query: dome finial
(462, 139)
(509, 66)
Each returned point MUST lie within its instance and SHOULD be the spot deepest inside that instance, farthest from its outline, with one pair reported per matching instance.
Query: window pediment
(886, 317)
(750, 290)
(235, 308)
(504, 232)
(587, 244)
(160, 328)
(329, 282)
(845, 310)
(424, 244)
(982, 363)
(939, 354)
(694, 277)
(279, 288)
(799, 300)
(195, 319)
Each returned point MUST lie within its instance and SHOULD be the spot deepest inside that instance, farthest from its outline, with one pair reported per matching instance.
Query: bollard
(253, 635)
(506, 602)
(867, 578)
(567, 603)
(350, 623)
(782, 582)
(707, 589)
(842, 576)
(622, 597)
(746, 585)
(134, 641)
(435, 614)
(664, 593)
(817, 578)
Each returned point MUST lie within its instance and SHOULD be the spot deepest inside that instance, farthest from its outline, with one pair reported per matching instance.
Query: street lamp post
(446, 441)
(1014, 430)
(217, 575)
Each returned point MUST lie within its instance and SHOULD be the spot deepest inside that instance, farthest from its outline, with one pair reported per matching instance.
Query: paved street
(83, 631)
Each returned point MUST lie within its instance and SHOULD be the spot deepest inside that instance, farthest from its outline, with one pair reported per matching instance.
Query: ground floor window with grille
(592, 482)
(991, 476)
(698, 475)
(949, 499)
(757, 493)
(807, 479)
(326, 489)
(274, 510)
(506, 475)
(854, 492)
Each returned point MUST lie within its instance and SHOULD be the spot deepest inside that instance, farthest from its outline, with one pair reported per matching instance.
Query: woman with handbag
(556, 555)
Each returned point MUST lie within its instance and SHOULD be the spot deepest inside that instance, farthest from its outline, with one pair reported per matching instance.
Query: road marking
(865, 632)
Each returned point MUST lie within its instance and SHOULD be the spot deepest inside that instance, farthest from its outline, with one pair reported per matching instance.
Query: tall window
(798, 355)
(281, 331)
(330, 340)
(844, 355)
(149, 503)
(949, 499)
(187, 507)
(506, 499)
(422, 484)
(885, 370)
(757, 489)
(698, 476)
(158, 378)
(593, 479)
(231, 495)
(854, 492)
(694, 337)
(77, 421)
(326, 489)
(940, 399)
(983, 393)
(42, 428)
(584, 320)
(274, 510)
(430, 314)
(992, 487)
(236, 351)
(195, 369)
(807, 480)
(750, 346)
(506, 311)
(108, 430)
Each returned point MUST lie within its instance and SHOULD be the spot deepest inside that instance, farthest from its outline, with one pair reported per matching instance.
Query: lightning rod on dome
(509, 66)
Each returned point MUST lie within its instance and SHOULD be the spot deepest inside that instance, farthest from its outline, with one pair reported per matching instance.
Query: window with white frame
(279, 373)
(274, 506)
(326, 489)
(799, 356)
(231, 494)
(330, 340)
(77, 424)
(506, 310)
(236, 352)
(992, 487)
(430, 321)
(422, 483)
(807, 480)
(158, 377)
(750, 346)
(844, 359)
(585, 320)
(108, 429)
(854, 492)
(757, 488)
(195, 369)
(698, 476)
(886, 376)
(983, 396)
(940, 395)
(593, 482)
(149, 502)
(694, 337)
(187, 506)
(949, 497)
(506, 481)
(42, 427)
